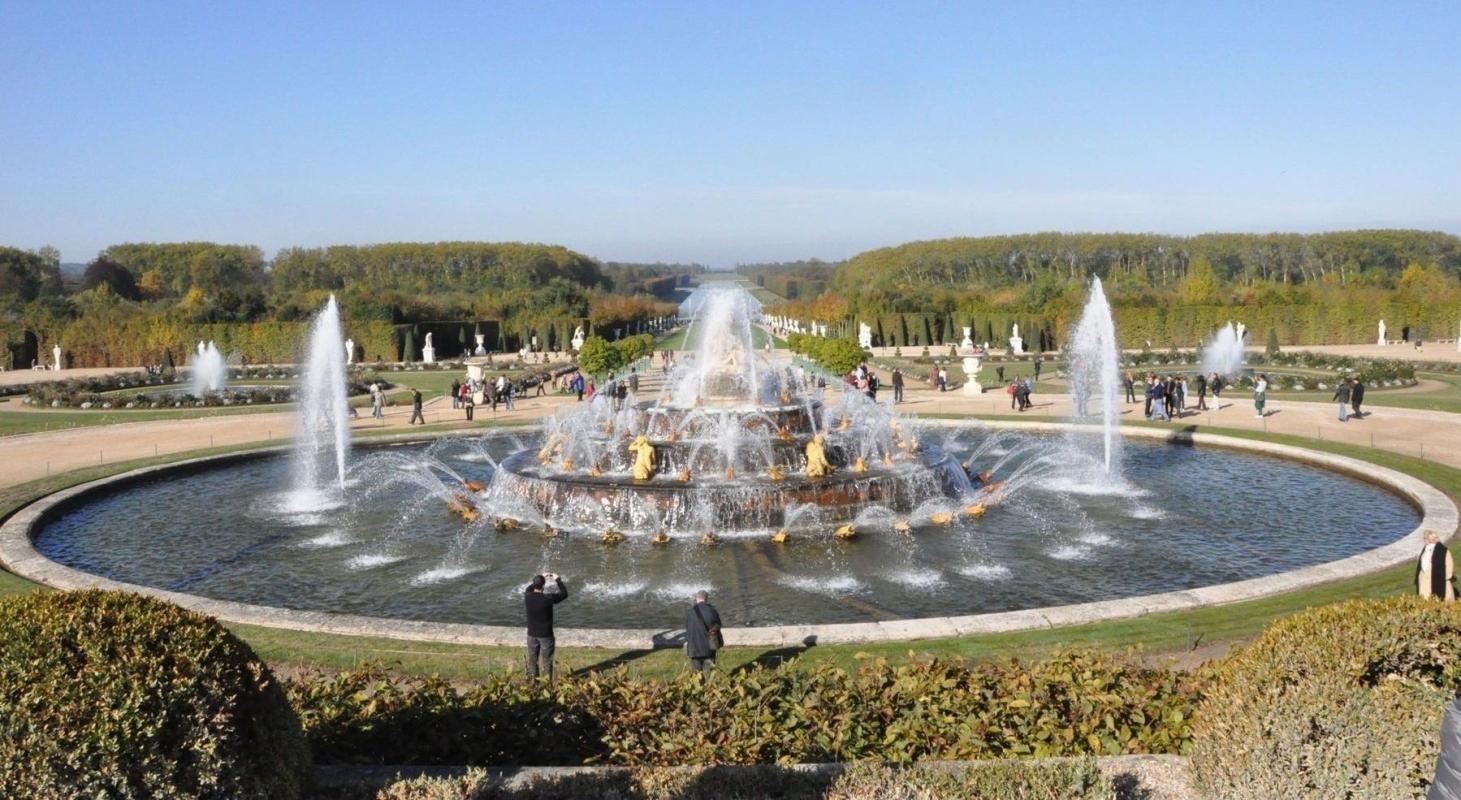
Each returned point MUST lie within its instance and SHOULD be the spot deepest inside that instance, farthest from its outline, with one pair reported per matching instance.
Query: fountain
(1095, 369)
(324, 423)
(730, 443)
(727, 475)
(208, 372)
(1224, 353)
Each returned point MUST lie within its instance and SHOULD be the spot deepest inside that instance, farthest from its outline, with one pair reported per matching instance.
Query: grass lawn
(1171, 633)
(17, 422)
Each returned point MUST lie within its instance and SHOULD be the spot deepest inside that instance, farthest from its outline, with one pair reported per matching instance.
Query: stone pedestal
(971, 369)
(1017, 346)
(428, 355)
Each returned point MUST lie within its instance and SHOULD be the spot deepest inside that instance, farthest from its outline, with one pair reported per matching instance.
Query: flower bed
(163, 391)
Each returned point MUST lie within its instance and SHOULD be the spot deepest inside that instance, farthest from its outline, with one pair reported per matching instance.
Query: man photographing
(539, 605)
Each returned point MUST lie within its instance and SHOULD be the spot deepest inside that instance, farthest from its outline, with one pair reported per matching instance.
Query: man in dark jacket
(897, 385)
(540, 622)
(1357, 396)
(702, 623)
(416, 415)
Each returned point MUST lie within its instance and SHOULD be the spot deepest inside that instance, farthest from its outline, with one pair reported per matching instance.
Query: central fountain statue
(730, 443)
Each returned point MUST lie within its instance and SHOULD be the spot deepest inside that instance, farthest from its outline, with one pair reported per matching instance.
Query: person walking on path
(1341, 396)
(456, 394)
(1356, 397)
(1217, 391)
(1260, 393)
(416, 407)
(377, 402)
(539, 605)
(468, 402)
(999, 372)
(702, 633)
(634, 380)
(1201, 392)
(1147, 413)
(897, 386)
(1128, 382)
(1435, 572)
(1038, 363)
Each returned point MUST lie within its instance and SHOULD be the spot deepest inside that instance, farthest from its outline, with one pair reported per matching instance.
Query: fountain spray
(1095, 366)
(209, 372)
(324, 412)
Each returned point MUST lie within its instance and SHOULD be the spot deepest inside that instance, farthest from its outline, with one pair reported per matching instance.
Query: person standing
(539, 605)
(634, 380)
(456, 394)
(1038, 362)
(1260, 393)
(416, 407)
(377, 401)
(578, 385)
(468, 401)
(999, 372)
(1435, 572)
(702, 633)
(1159, 400)
(897, 385)
(1128, 382)
(1356, 397)
(1217, 390)
(1147, 413)
(1341, 396)
(1201, 392)
(1181, 395)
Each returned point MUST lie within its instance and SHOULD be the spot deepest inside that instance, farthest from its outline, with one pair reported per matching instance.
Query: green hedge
(839, 355)
(1343, 701)
(106, 694)
(1066, 780)
(1070, 705)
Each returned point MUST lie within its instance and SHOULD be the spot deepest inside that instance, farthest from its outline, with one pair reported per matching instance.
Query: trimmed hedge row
(1068, 780)
(1073, 704)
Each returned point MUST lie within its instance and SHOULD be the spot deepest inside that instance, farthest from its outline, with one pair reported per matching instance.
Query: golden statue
(551, 448)
(710, 540)
(775, 472)
(786, 397)
(596, 472)
(941, 518)
(644, 461)
(611, 537)
(817, 463)
(661, 539)
(781, 536)
(902, 526)
(473, 486)
(975, 510)
(505, 524)
(845, 532)
(860, 465)
(684, 475)
(730, 473)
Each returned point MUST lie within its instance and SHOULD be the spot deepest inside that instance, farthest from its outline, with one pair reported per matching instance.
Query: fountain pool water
(208, 371)
(727, 477)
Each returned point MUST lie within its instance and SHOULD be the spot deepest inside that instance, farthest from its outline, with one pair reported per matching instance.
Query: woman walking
(1260, 394)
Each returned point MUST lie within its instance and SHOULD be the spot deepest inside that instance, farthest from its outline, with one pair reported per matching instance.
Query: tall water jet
(1223, 354)
(324, 411)
(208, 372)
(1095, 368)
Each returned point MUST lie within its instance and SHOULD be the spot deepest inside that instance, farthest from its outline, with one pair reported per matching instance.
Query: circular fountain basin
(1194, 525)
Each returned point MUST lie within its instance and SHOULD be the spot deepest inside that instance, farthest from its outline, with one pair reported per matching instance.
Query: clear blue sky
(719, 132)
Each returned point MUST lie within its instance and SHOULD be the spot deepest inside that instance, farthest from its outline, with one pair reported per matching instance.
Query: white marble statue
(864, 335)
(1382, 333)
(968, 343)
(428, 353)
(481, 345)
(578, 338)
(349, 351)
(1017, 345)
(56, 352)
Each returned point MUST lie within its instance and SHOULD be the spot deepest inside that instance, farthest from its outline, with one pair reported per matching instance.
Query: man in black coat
(1356, 397)
(702, 624)
(540, 622)
(897, 385)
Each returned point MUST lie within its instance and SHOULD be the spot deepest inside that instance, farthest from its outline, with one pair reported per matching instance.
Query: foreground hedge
(105, 694)
(1072, 704)
(1069, 780)
(1343, 701)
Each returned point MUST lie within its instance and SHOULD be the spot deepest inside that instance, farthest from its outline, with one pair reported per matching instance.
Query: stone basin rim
(1438, 513)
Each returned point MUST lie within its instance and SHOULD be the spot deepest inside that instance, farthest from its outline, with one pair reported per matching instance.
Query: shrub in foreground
(1062, 780)
(107, 694)
(1073, 704)
(1343, 701)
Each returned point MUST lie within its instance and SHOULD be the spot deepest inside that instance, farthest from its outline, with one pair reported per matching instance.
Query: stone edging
(1438, 513)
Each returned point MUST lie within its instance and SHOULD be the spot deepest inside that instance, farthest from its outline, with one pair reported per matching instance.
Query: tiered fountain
(731, 443)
